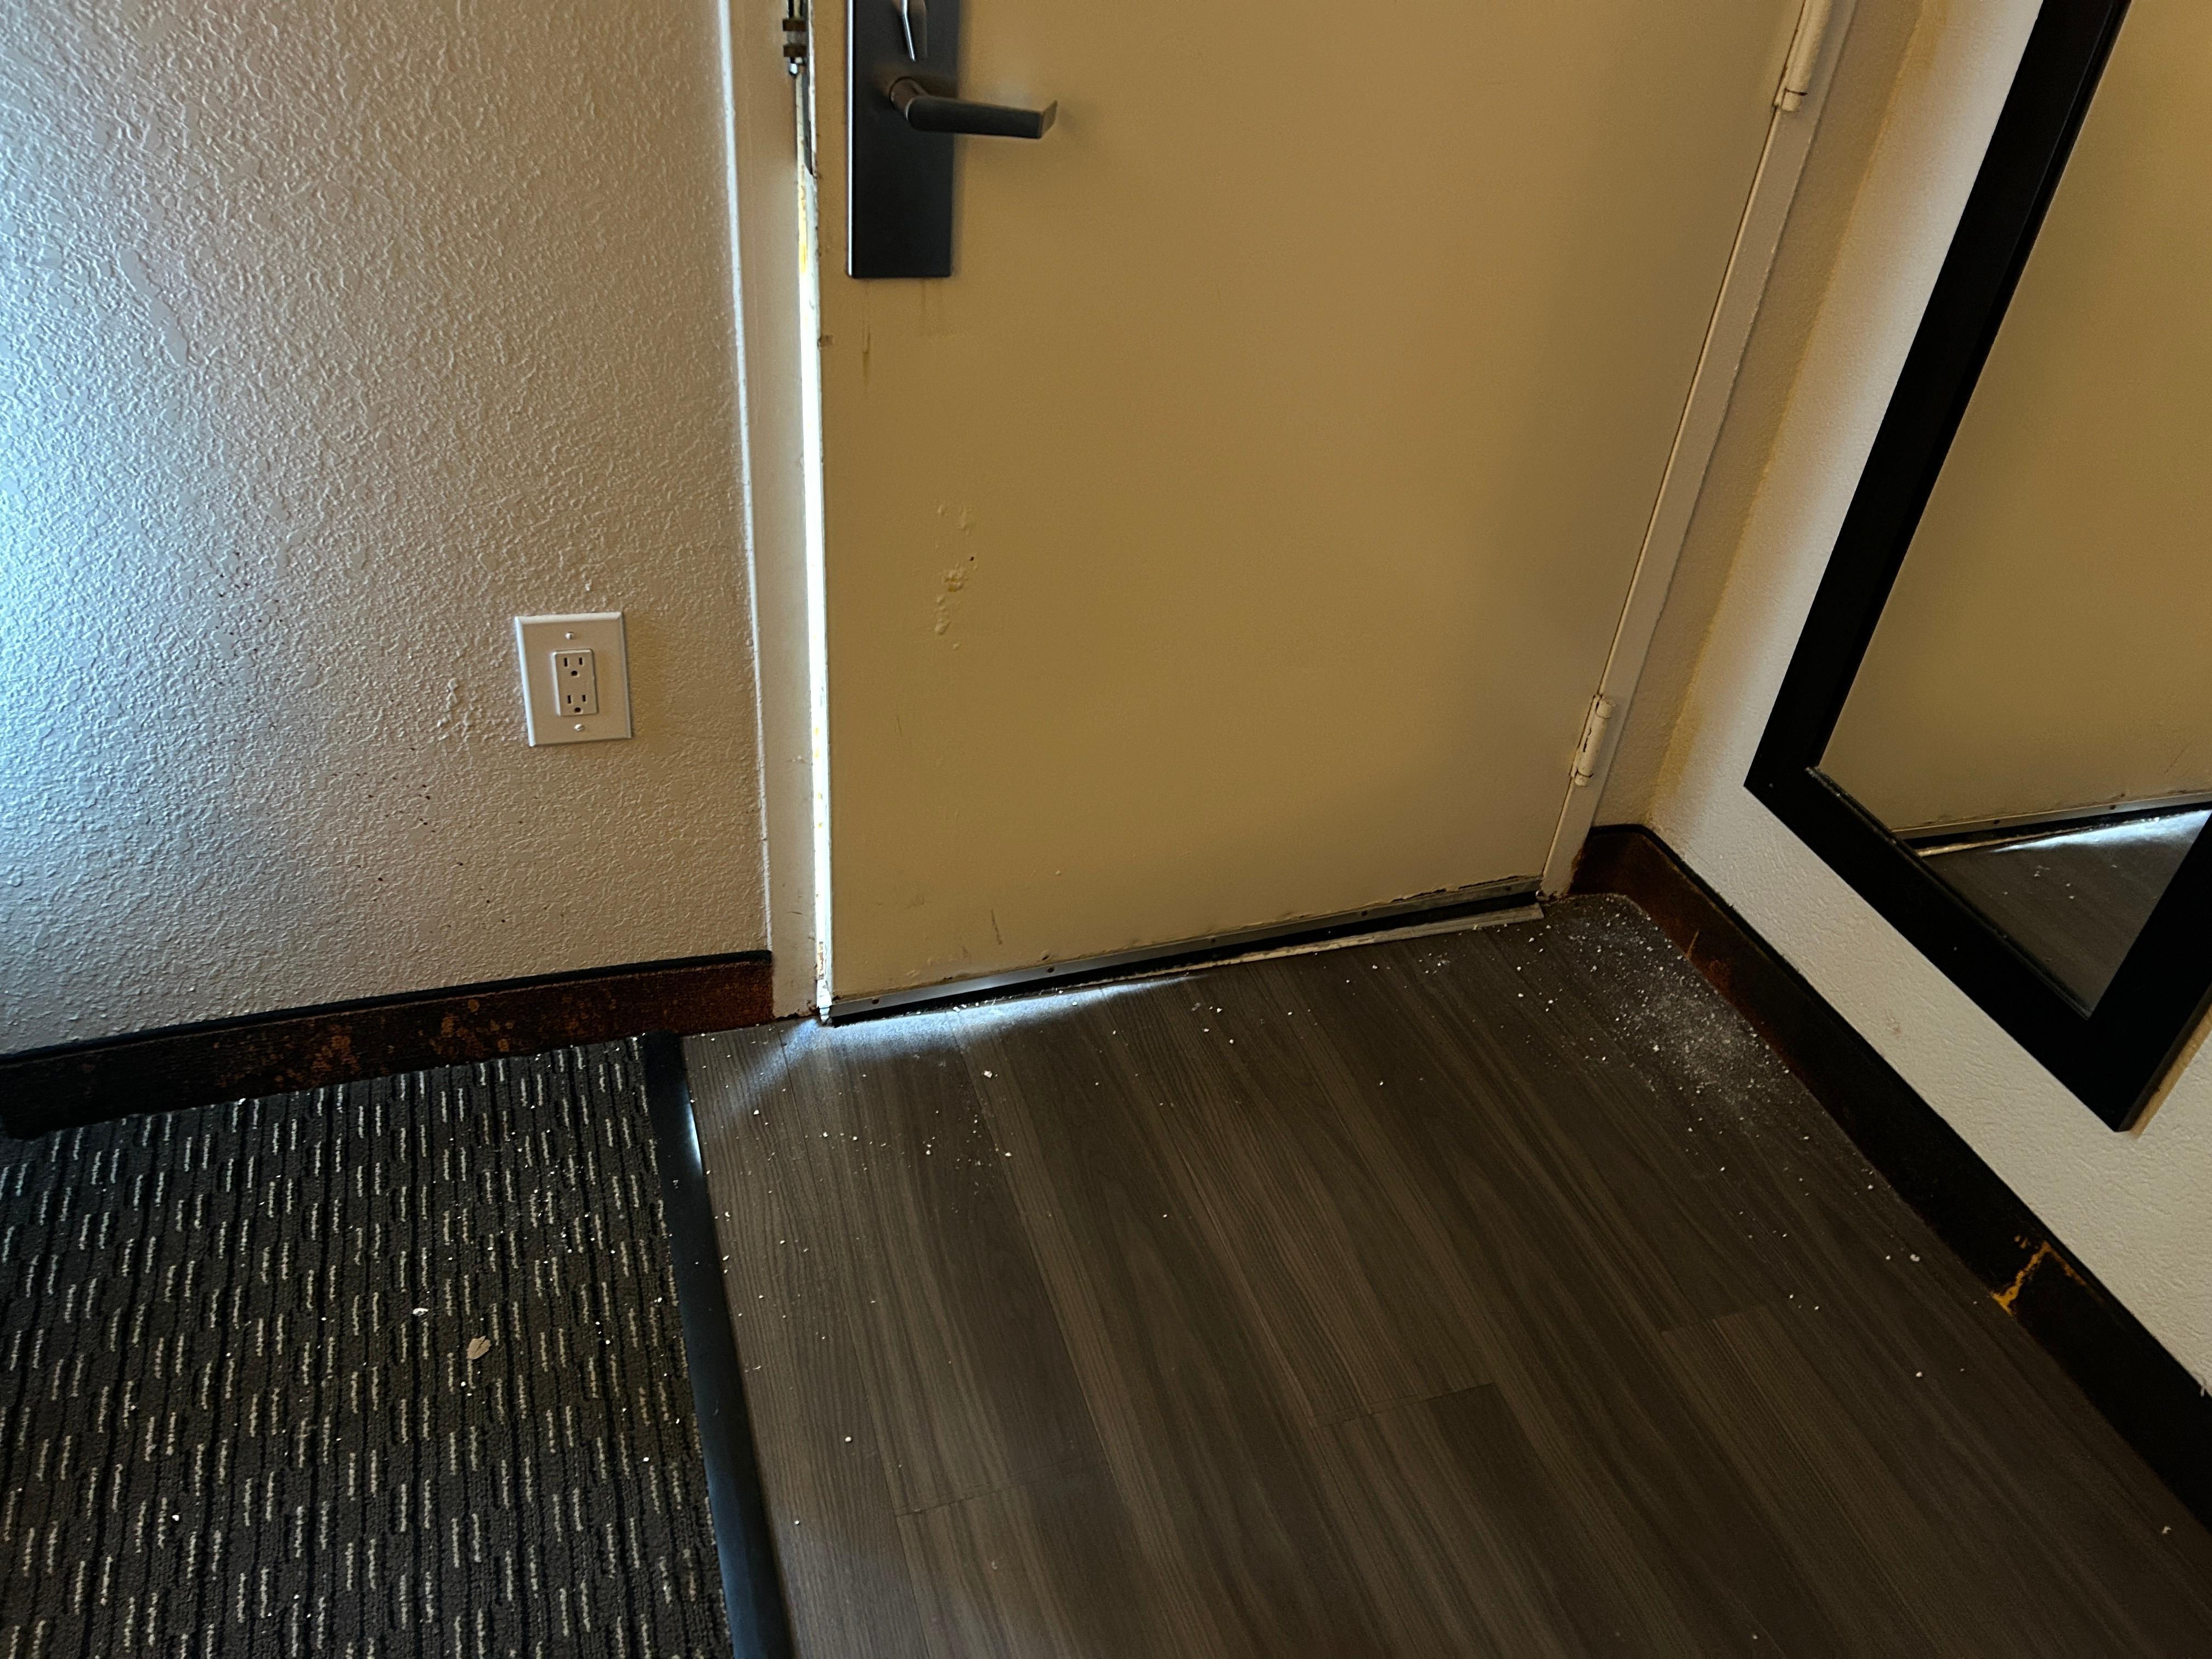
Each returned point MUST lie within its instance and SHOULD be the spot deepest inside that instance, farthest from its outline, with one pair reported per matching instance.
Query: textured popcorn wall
(336, 336)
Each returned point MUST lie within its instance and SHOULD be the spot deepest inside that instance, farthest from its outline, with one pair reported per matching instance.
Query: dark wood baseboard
(2146, 1394)
(47, 1089)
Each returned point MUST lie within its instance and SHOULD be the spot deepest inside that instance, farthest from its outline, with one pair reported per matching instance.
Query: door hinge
(1586, 753)
(1804, 54)
(794, 38)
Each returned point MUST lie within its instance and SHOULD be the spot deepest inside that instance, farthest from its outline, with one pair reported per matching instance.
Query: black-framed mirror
(1996, 724)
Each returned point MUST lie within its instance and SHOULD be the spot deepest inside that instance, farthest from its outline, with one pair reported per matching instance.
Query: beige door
(1237, 536)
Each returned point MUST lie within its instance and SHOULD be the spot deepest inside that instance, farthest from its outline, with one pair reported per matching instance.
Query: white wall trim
(1773, 189)
(771, 212)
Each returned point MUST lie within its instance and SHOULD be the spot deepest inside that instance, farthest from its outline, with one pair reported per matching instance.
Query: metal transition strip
(1431, 912)
(752, 1591)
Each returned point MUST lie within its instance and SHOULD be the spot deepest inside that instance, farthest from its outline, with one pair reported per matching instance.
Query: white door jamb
(1789, 139)
(772, 268)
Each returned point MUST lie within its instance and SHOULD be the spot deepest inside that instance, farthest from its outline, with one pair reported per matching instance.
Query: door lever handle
(927, 111)
(902, 106)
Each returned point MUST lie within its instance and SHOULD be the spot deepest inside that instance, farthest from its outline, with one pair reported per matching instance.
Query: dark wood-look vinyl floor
(1487, 1292)
(2075, 900)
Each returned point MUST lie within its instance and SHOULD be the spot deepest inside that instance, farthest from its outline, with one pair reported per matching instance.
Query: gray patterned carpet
(389, 1370)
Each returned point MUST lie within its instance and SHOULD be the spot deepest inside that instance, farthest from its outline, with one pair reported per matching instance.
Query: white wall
(337, 335)
(2136, 1209)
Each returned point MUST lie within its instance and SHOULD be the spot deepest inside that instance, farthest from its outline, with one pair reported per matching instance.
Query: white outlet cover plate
(536, 640)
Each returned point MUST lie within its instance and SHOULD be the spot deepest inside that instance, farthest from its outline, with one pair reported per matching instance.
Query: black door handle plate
(902, 109)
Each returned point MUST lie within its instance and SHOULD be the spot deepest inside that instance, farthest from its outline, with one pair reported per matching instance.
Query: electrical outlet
(578, 682)
(575, 677)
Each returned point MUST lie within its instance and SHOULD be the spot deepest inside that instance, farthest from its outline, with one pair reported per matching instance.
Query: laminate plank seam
(1045, 1475)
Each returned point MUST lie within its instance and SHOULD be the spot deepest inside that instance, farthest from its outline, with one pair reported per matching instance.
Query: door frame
(773, 297)
(1743, 287)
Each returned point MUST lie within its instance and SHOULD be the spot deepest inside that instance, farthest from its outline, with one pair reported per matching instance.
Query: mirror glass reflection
(2034, 714)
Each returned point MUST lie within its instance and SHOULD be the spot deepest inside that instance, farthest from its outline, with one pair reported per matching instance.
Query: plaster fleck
(2135, 1209)
(336, 337)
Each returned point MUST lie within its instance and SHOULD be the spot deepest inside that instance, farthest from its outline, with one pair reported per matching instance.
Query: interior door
(1237, 534)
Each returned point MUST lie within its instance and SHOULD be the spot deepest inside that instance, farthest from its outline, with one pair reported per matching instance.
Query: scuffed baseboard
(47, 1089)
